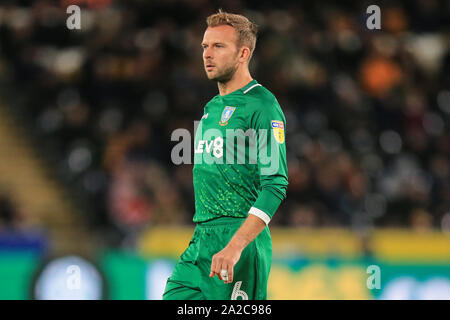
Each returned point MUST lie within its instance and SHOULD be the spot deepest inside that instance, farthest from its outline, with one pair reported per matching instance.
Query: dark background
(367, 111)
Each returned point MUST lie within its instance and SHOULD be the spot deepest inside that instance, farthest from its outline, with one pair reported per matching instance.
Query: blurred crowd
(368, 139)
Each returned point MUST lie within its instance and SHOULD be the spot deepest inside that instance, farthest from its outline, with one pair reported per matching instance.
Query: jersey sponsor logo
(216, 146)
(278, 130)
(226, 115)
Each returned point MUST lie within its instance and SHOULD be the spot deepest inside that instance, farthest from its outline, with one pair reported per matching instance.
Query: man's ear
(244, 54)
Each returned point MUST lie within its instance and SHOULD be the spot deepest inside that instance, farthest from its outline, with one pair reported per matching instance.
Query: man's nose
(207, 54)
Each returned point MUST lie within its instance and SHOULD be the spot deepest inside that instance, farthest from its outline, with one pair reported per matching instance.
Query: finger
(230, 273)
(213, 267)
(218, 266)
(224, 273)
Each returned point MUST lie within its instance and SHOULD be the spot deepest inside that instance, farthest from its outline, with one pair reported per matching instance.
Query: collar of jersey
(241, 90)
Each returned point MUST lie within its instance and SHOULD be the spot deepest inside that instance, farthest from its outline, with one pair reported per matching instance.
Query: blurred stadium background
(86, 116)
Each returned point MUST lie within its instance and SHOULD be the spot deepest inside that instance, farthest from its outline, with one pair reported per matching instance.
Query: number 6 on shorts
(238, 293)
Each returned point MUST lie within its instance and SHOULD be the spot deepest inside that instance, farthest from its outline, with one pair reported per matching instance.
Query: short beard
(226, 75)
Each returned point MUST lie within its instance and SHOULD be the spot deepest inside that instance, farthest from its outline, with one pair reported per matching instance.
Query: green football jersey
(240, 162)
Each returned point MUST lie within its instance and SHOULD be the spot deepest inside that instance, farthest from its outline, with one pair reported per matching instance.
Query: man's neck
(238, 81)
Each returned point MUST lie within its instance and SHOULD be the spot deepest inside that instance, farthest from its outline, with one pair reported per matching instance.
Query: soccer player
(230, 253)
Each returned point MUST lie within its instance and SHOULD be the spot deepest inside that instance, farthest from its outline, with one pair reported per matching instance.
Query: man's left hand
(225, 259)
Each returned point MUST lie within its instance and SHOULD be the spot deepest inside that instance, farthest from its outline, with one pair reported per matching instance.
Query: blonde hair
(246, 29)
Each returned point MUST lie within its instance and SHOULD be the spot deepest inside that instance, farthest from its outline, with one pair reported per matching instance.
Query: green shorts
(190, 279)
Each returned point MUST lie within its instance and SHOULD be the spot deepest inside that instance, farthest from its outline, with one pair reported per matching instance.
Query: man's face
(220, 53)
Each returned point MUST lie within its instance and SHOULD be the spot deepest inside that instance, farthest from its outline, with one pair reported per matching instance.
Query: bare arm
(249, 230)
(229, 256)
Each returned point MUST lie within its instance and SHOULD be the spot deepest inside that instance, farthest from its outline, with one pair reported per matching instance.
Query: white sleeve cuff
(260, 214)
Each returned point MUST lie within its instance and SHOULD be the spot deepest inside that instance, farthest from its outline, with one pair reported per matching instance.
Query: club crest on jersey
(226, 115)
(278, 130)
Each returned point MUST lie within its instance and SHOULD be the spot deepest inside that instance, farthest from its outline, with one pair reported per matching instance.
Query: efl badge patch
(278, 130)
(226, 115)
